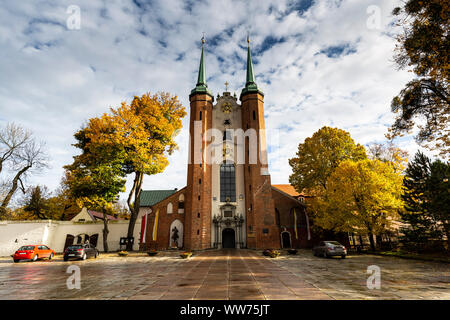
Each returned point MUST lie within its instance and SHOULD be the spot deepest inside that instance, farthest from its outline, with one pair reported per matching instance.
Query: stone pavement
(224, 274)
(347, 278)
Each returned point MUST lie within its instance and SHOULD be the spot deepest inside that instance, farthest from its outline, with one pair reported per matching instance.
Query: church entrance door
(228, 238)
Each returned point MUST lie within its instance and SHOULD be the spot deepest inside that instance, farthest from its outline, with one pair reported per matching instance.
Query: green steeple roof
(250, 75)
(201, 86)
(250, 84)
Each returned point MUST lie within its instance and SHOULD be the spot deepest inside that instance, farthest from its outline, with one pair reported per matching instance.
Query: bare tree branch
(13, 138)
(25, 155)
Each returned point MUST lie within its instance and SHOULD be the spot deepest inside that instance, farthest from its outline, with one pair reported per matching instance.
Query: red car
(33, 253)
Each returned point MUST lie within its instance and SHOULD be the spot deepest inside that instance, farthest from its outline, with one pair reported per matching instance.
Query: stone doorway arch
(176, 227)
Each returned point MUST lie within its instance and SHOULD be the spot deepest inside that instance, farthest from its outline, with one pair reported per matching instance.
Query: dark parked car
(80, 251)
(329, 249)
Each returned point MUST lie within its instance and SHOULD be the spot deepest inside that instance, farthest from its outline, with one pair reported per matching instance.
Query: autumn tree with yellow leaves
(351, 191)
(319, 155)
(139, 136)
(361, 196)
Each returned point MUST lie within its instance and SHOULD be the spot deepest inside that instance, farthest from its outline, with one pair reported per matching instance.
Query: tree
(13, 139)
(424, 45)
(39, 203)
(95, 178)
(62, 204)
(388, 152)
(23, 154)
(36, 202)
(362, 196)
(142, 136)
(319, 155)
(427, 201)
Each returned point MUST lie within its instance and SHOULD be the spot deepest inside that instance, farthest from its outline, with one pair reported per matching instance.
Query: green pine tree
(426, 198)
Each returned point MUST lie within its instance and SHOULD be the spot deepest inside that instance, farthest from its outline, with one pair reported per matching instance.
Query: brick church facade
(230, 202)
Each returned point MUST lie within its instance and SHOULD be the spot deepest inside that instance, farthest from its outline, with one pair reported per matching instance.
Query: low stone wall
(14, 234)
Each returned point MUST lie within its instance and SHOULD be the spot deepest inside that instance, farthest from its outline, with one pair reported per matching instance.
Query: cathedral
(228, 200)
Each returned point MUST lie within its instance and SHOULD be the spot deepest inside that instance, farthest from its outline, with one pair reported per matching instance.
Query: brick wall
(164, 222)
(262, 231)
(284, 206)
(198, 194)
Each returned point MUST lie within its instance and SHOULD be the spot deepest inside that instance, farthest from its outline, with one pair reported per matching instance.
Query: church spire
(201, 86)
(250, 84)
(250, 75)
(202, 70)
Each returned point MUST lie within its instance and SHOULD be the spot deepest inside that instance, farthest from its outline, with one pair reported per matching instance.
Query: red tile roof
(290, 190)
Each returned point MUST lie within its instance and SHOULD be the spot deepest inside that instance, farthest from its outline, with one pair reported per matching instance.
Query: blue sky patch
(337, 51)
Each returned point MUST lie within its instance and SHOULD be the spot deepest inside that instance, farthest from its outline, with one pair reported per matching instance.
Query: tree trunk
(379, 242)
(134, 208)
(105, 232)
(372, 243)
(12, 190)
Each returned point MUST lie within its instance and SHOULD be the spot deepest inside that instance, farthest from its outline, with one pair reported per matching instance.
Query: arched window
(277, 217)
(169, 208)
(227, 183)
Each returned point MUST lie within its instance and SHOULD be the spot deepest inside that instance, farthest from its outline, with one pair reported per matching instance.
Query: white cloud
(54, 79)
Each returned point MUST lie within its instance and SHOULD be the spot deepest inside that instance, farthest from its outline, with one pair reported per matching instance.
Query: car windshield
(75, 247)
(334, 243)
(26, 248)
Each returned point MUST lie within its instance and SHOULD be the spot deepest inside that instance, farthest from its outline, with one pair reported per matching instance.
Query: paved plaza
(225, 274)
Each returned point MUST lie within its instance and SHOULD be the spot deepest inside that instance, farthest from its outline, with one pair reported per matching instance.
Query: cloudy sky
(319, 62)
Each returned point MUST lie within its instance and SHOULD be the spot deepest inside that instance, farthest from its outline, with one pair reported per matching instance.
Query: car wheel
(84, 257)
(35, 258)
(343, 256)
(51, 256)
(325, 255)
(16, 260)
(66, 259)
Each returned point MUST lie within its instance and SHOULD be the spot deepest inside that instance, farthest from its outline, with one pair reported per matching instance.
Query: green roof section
(250, 79)
(250, 84)
(201, 86)
(151, 197)
(201, 81)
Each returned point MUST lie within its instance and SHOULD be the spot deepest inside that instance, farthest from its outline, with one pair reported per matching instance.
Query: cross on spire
(226, 86)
